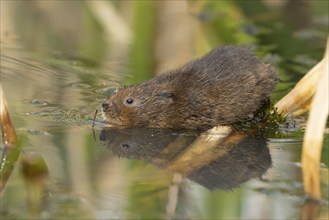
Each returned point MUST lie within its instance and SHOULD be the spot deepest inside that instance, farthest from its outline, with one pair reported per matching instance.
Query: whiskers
(94, 135)
(95, 117)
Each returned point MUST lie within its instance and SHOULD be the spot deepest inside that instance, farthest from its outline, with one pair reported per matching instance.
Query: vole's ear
(167, 94)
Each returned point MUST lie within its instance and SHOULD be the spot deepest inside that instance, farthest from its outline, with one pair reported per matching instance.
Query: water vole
(222, 87)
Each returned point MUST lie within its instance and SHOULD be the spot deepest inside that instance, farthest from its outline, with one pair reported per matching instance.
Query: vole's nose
(105, 106)
(110, 108)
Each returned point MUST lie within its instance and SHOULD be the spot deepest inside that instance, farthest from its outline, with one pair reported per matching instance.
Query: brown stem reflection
(216, 160)
(10, 145)
(310, 210)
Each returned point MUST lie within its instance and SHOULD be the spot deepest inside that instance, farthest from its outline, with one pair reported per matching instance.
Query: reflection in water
(216, 160)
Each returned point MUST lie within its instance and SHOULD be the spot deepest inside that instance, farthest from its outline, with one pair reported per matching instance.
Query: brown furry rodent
(222, 87)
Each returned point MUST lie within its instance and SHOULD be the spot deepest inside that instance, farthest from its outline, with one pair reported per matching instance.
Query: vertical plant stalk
(113, 23)
(313, 139)
(10, 145)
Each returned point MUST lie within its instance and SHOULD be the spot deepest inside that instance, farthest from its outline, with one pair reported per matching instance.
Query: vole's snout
(105, 106)
(110, 108)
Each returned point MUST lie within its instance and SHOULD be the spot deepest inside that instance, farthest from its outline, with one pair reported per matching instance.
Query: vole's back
(230, 81)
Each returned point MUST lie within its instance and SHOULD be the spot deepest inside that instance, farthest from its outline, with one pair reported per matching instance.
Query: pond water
(62, 62)
(87, 172)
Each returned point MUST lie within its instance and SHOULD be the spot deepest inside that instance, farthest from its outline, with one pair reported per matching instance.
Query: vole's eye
(125, 146)
(129, 101)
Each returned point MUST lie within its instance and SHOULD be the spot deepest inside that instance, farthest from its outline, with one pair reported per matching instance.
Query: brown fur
(222, 87)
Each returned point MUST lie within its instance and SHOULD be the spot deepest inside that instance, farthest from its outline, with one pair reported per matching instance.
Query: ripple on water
(62, 117)
(37, 102)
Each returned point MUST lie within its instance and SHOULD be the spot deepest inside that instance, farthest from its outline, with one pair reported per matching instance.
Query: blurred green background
(152, 36)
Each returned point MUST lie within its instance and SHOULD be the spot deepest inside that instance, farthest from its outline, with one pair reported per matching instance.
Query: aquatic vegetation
(265, 121)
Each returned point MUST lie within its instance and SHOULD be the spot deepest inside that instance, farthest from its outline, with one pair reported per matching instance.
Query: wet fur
(222, 87)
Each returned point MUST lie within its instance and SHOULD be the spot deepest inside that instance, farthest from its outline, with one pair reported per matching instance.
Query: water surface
(114, 173)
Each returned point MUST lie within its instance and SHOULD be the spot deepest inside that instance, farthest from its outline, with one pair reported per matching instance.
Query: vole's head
(140, 105)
